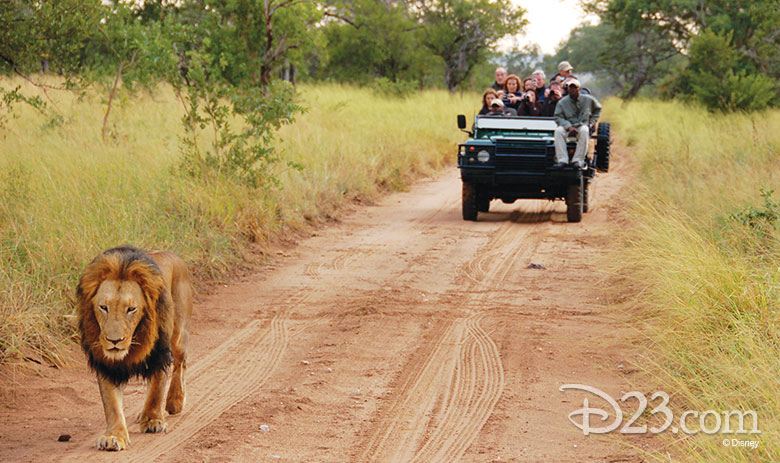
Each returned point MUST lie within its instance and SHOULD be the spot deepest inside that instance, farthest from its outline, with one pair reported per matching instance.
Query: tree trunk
(111, 99)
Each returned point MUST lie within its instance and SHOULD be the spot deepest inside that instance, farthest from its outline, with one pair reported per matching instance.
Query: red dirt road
(400, 334)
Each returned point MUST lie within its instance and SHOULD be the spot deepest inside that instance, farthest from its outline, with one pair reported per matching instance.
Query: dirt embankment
(400, 334)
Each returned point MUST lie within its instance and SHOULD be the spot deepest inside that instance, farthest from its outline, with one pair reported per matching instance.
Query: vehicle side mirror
(461, 121)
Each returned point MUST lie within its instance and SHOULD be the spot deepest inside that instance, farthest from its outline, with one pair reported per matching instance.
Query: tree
(373, 38)
(714, 76)
(43, 36)
(463, 32)
(650, 33)
(636, 59)
(522, 61)
(226, 54)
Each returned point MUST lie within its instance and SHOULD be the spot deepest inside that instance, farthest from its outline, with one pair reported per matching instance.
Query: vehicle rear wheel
(574, 202)
(603, 142)
(469, 201)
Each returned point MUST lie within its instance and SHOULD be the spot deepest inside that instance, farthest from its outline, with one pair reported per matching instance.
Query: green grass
(706, 285)
(66, 195)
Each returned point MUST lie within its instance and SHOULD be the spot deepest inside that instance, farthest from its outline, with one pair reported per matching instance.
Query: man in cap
(564, 73)
(497, 108)
(575, 114)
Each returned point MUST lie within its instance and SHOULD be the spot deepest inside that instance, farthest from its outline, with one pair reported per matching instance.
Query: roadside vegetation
(700, 262)
(67, 195)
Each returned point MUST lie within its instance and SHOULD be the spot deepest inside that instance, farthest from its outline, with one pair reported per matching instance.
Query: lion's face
(119, 306)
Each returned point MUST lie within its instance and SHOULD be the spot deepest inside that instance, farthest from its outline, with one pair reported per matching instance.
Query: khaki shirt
(585, 111)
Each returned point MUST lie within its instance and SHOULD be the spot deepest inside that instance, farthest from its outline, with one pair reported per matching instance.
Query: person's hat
(574, 82)
(496, 102)
(564, 66)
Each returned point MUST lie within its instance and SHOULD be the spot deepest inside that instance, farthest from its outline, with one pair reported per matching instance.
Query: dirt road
(400, 334)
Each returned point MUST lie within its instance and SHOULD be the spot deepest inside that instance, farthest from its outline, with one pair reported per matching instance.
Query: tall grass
(707, 281)
(66, 195)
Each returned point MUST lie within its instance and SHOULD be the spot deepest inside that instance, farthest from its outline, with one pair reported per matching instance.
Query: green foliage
(42, 36)
(713, 76)
(9, 98)
(46, 34)
(221, 57)
(227, 55)
(243, 154)
(767, 215)
(374, 39)
(463, 32)
(387, 87)
(733, 46)
(584, 47)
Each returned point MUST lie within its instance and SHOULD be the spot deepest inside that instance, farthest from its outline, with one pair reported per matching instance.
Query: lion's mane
(150, 350)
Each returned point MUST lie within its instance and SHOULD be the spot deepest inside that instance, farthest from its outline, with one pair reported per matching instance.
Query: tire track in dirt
(226, 375)
(462, 376)
(474, 392)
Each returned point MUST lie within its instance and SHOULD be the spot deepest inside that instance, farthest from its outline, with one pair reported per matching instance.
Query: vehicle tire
(603, 142)
(585, 195)
(574, 202)
(483, 203)
(469, 201)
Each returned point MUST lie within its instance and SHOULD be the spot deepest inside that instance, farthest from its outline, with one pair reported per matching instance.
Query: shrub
(718, 77)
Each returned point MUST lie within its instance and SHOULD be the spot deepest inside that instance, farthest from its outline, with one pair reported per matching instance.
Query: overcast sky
(549, 22)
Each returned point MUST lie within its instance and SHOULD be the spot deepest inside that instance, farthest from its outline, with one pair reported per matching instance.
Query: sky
(549, 22)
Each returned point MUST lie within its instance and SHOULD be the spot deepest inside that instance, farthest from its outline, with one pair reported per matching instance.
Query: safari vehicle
(511, 158)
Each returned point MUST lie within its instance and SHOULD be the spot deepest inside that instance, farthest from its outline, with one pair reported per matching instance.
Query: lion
(134, 310)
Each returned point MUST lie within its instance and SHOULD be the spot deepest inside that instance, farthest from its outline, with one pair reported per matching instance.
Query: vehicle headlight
(483, 156)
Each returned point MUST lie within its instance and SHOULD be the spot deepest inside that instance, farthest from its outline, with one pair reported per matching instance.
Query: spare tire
(603, 142)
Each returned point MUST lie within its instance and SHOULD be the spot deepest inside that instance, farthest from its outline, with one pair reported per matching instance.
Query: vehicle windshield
(526, 127)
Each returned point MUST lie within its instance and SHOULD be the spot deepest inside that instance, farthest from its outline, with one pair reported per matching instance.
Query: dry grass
(708, 284)
(66, 195)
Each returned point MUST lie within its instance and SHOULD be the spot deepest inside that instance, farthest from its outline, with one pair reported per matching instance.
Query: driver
(576, 114)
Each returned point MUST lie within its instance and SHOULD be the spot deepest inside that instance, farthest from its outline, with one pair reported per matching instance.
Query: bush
(720, 79)
(387, 87)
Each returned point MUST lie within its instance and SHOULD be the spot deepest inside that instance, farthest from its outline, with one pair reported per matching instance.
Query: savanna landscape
(300, 158)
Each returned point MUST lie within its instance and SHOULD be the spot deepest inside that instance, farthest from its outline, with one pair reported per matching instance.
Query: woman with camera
(527, 104)
(512, 94)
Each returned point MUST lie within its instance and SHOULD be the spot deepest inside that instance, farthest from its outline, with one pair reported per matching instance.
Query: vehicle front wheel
(574, 202)
(469, 202)
(483, 203)
(585, 196)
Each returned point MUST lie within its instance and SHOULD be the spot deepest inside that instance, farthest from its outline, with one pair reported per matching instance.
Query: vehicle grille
(521, 157)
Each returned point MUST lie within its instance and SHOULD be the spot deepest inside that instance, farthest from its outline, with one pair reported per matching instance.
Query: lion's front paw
(112, 442)
(153, 424)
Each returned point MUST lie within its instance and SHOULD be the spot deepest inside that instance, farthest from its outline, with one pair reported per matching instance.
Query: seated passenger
(497, 109)
(500, 78)
(575, 114)
(542, 90)
(511, 92)
(529, 106)
(529, 84)
(564, 71)
(566, 85)
(488, 96)
(555, 95)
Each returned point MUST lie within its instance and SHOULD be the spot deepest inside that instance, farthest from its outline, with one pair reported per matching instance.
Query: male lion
(134, 310)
